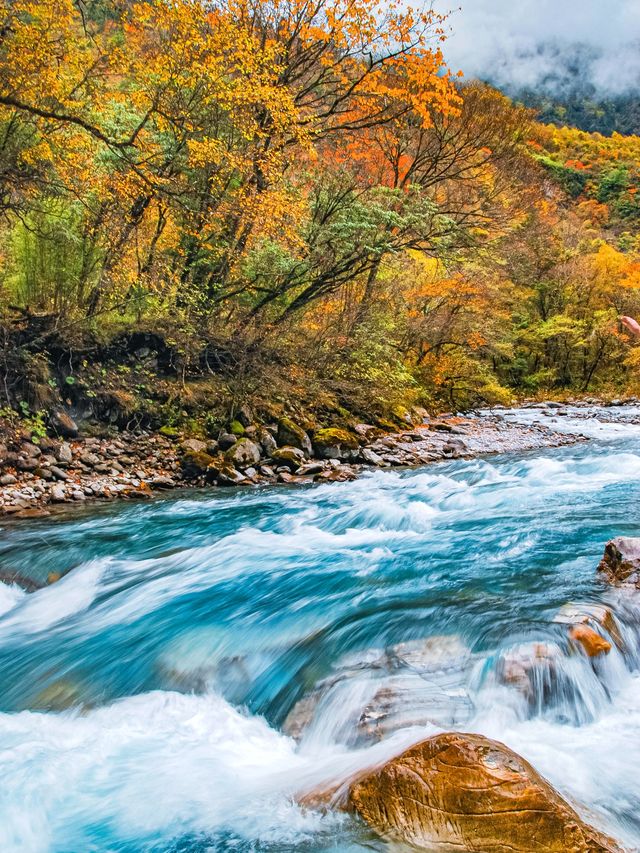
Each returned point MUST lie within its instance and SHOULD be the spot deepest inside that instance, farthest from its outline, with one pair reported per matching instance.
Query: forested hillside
(296, 205)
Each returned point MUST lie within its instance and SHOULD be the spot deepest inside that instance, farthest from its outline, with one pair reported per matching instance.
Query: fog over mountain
(556, 46)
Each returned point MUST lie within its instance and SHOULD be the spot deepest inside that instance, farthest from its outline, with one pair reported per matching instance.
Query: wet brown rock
(593, 644)
(466, 792)
(620, 564)
(339, 474)
(25, 583)
(138, 494)
(596, 616)
(529, 668)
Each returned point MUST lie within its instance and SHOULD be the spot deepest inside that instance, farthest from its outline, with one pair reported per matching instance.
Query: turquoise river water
(193, 636)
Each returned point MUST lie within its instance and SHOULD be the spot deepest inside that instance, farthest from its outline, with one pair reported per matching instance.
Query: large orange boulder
(468, 793)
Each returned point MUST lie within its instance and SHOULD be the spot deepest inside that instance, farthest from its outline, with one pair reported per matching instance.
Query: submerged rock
(25, 583)
(620, 564)
(373, 694)
(530, 668)
(466, 792)
(59, 696)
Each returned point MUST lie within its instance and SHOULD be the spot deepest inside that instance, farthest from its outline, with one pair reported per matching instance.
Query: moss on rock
(334, 443)
(292, 435)
(195, 463)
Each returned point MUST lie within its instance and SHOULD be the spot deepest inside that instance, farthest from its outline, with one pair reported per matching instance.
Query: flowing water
(192, 637)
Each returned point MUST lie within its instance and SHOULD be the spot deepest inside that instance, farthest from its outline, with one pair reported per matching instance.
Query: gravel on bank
(38, 475)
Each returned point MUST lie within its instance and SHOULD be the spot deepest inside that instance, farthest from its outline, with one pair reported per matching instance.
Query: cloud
(547, 43)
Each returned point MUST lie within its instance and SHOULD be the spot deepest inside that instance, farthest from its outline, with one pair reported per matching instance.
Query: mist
(546, 44)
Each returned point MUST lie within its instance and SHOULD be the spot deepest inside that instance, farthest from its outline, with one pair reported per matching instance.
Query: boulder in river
(592, 643)
(530, 668)
(465, 792)
(620, 564)
(596, 616)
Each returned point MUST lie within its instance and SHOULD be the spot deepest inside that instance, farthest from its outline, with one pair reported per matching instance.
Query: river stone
(372, 694)
(592, 643)
(224, 474)
(370, 457)
(267, 441)
(460, 791)
(620, 564)
(194, 444)
(195, 464)
(333, 443)
(89, 459)
(226, 440)
(59, 696)
(292, 435)
(15, 579)
(58, 494)
(594, 616)
(243, 454)
(530, 668)
(290, 457)
(58, 473)
(64, 454)
(30, 450)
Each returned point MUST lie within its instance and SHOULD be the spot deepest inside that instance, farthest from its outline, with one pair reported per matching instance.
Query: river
(187, 629)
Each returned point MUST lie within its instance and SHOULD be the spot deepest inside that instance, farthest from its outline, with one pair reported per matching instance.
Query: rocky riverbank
(38, 474)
